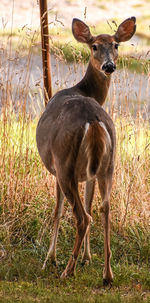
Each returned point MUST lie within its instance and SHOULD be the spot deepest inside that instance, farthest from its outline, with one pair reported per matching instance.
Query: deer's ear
(81, 31)
(126, 30)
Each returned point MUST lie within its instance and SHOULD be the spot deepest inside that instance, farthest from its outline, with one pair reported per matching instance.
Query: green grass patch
(64, 46)
(23, 280)
(67, 293)
(141, 66)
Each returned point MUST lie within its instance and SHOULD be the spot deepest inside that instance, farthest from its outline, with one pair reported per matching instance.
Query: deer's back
(61, 127)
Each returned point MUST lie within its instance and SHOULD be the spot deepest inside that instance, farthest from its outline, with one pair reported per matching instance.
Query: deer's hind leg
(70, 189)
(58, 214)
(105, 184)
(88, 198)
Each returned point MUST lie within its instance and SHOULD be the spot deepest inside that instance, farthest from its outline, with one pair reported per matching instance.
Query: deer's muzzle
(109, 67)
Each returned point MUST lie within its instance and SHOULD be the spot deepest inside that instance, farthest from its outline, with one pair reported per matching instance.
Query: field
(27, 191)
(27, 208)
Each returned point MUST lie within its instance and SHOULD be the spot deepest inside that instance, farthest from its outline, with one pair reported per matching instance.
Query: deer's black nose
(109, 67)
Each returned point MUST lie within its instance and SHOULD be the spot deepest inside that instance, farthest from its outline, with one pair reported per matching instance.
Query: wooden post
(45, 51)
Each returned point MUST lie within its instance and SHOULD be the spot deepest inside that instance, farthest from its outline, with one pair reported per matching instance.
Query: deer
(76, 141)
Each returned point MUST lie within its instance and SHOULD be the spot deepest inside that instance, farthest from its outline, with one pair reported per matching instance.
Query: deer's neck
(94, 84)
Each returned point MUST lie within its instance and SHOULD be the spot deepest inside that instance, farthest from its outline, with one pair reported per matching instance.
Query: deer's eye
(116, 45)
(94, 46)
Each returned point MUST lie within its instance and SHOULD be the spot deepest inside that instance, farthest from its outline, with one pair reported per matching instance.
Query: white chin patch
(104, 73)
(107, 74)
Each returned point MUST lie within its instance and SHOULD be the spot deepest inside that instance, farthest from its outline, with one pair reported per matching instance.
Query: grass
(81, 289)
(23, 279)
(27, 201)
(141, 66)
(64, 46)
(27, 292)
(27, 207)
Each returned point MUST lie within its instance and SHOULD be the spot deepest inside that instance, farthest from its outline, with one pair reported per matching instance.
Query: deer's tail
(97, 142)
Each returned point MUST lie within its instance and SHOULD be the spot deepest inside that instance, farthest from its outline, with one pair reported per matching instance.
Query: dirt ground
(20, 13)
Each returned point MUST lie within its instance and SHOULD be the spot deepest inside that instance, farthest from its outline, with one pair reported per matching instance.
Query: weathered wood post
(45, 51)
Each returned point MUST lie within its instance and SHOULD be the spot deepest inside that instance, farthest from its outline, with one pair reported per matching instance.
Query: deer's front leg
(58, 214)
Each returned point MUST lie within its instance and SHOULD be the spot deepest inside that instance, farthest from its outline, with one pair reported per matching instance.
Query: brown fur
(96, 147)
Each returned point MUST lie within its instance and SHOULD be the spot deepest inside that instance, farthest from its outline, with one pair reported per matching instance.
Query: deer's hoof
(107, 282)
(67, 274)
(86, 262)
(54, 262)
(63, 276)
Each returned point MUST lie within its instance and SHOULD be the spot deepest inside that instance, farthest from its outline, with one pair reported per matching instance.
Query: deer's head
(104, 48)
